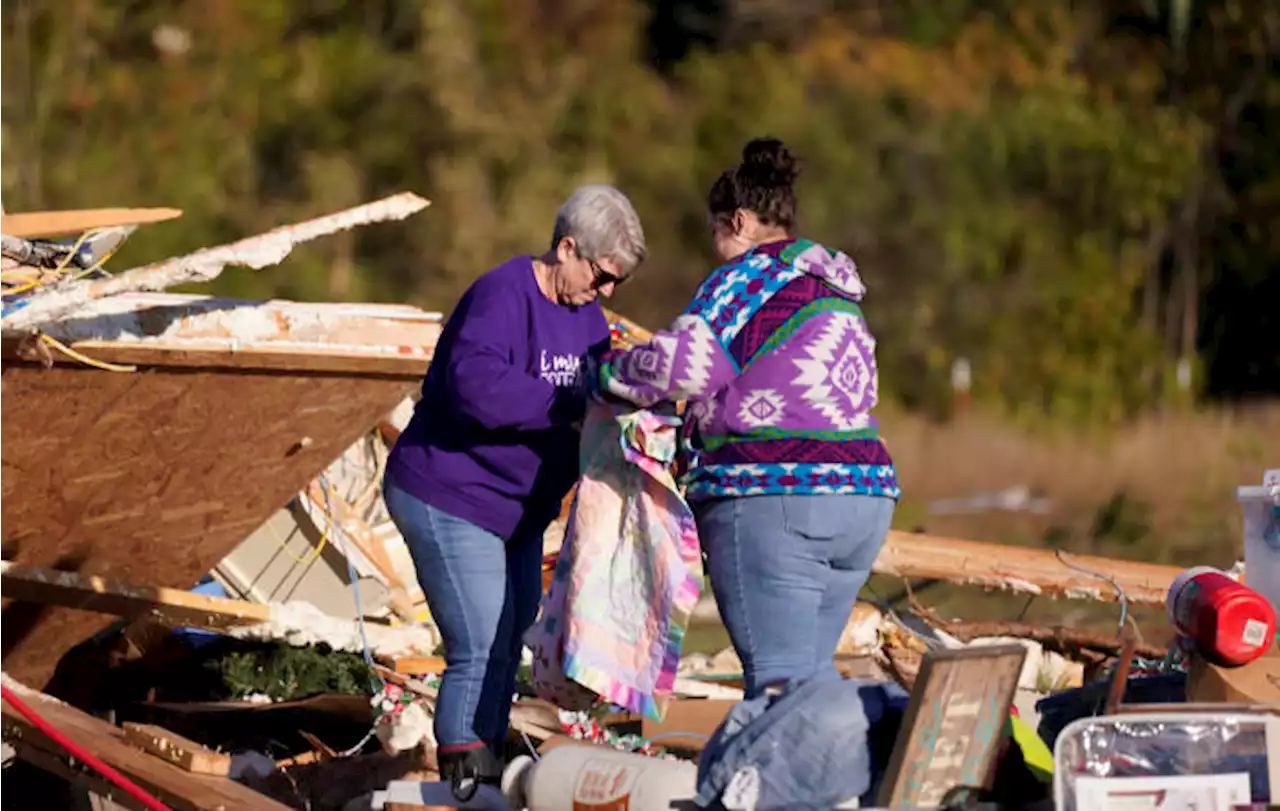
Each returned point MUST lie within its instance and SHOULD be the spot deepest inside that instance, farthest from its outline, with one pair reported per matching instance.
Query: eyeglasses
(599, 276)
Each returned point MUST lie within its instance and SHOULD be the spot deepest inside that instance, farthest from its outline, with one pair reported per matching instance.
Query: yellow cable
(311, 556)
(102, 260)
(307, 559)
(86, 360)
(66, 260)
(62, 265)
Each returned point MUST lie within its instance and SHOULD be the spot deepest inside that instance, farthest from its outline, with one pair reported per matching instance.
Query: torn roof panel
(188, 330)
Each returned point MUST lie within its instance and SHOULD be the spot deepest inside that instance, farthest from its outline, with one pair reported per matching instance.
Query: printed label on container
(604, 786)
(1255, 633)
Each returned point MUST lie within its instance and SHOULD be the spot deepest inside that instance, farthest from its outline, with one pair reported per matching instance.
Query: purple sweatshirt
(492, 439)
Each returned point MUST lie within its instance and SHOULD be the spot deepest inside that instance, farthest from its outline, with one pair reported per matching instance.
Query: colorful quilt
(612, 622)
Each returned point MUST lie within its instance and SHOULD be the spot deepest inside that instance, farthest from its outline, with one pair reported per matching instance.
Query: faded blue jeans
(786, 571)
(483, 593)
(814, 745)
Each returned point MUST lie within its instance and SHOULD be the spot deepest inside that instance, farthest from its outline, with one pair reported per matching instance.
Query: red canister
(1229, 623)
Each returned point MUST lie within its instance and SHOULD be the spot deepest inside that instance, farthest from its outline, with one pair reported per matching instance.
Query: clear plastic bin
(1123, 748)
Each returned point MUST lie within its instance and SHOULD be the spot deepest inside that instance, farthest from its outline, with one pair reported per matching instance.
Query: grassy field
(1161, 489)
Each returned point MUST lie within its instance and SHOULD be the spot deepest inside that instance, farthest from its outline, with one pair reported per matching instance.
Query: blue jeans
(815, 745)
(483, 593)
(786, 571)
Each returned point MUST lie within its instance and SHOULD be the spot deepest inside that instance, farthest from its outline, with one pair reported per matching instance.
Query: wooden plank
(175, 749)
(1022, 569)
(155, 477)
(951, 731)
(334, 360)
(30, 224)
(177, 788)
(173, 607)
(419, 665)
(355, 530)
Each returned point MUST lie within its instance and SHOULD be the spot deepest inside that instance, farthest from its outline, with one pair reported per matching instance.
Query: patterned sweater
(777, 366)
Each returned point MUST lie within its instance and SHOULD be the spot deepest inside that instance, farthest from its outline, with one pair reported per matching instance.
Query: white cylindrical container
(584, 777)
(1261, 508)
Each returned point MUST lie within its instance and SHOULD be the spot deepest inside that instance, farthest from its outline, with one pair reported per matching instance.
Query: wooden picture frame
(951, 731)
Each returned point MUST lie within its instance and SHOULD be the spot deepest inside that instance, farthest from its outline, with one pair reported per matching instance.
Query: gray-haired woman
(490, 453)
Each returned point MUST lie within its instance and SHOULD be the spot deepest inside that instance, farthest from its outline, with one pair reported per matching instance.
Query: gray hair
(603, 223)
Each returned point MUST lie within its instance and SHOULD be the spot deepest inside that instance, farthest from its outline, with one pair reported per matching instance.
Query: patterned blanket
(613, 619)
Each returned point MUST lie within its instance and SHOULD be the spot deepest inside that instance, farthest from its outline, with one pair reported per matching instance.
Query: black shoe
(466, 770)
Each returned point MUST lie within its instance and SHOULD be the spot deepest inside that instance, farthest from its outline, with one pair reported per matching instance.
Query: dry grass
(1161, 489)
(1176, 475)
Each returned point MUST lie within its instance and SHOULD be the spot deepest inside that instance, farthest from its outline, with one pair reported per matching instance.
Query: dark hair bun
(767, 163)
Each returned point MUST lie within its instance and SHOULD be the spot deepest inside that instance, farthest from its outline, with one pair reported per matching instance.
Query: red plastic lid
(1242, 625)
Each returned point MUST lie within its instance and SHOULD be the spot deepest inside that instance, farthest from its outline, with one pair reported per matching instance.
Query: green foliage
(283, 672)
(1015, 180)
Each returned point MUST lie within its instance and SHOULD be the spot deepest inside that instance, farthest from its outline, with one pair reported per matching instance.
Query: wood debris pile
(159, 442)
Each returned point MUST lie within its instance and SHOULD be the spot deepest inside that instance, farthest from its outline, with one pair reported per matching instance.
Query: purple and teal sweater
(777, 366)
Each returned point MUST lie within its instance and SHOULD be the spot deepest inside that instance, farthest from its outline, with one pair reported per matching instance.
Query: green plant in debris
(282, 672)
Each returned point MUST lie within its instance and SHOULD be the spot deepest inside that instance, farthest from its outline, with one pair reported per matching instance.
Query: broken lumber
(419, 665)
(32, 224)
(175, 749)
(173, 607)
(1055, 636)
(1025, 570)
(360, 535)
(179, 789)
(255, 252)
(295, 623)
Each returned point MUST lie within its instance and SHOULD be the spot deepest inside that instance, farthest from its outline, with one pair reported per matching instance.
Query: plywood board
(952, 727)
(154, 476)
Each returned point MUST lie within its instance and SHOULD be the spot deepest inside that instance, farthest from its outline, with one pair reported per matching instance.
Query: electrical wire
(1115, 584)
(35, 277)
(85, 359)
(63, 263)
(533, 750)
(675, 734)
(314, 554)
(354, 576)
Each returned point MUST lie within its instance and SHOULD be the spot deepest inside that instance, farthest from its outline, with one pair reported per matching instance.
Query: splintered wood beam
(1022, 569)
(419, 665)
(175, 749)
(32, 224)
(177, 788)
(167, 606)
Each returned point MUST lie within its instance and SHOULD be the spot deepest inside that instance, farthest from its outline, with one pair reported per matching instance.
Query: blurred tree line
(1071, 194)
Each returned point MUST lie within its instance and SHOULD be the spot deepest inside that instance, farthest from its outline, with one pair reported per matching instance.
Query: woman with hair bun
(792, 487)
